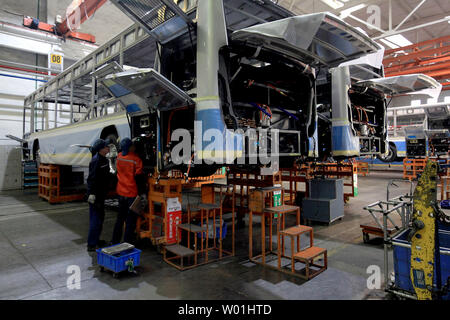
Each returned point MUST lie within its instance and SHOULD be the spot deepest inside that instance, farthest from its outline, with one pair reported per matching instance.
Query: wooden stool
(307, 257)
(280, 212)
(294, 233)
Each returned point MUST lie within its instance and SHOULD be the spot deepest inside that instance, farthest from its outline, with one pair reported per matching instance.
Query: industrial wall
(10, 167)
(14, 87)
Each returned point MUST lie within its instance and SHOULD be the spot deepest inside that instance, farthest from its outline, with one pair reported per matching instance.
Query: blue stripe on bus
(343, 139)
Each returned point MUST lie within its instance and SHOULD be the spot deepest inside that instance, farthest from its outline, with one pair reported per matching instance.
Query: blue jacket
(98, 180)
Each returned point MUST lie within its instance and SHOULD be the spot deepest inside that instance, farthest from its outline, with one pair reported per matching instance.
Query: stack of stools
(306, 256)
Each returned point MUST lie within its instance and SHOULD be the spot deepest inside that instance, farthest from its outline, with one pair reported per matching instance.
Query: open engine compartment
(367, 116)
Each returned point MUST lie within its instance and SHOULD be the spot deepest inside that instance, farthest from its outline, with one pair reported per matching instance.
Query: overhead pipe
(24, 65)
(26, 74)
(18, 77)
(27, 70)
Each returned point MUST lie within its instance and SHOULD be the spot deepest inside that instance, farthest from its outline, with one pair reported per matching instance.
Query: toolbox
(118, 258)
(445, 204)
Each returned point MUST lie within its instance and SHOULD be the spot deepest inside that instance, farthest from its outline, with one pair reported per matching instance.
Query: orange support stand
(152, 224)
(205, 252)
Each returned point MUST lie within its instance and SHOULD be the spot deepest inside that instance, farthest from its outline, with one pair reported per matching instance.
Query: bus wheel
(391, 156)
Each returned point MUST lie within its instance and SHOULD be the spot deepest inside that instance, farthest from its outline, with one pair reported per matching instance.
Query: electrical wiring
(260, 108)
(264, 117)
(359, 108)
(170, 121)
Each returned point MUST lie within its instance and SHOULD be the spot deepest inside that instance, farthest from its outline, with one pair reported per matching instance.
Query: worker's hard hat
(98, 145)
(125, 145)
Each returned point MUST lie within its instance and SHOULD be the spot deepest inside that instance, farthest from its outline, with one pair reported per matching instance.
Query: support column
(46, 117)
(71, 100)
(93, 100)
(32, 108)
(56, 110)
(395, 122)
(42, 113)
(24, 117)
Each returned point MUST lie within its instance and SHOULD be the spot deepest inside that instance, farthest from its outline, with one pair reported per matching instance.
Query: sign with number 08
(55, 62)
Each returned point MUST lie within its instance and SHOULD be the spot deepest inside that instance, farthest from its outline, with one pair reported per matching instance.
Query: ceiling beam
(405, 6)
(413, 11)
(424, 25)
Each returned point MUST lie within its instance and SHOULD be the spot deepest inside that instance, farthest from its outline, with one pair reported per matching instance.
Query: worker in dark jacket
(97, 182)
(130, 184)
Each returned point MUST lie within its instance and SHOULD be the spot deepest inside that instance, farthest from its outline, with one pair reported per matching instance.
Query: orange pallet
(362, 168)
(50, 185)
(413, 167)
(295, 176)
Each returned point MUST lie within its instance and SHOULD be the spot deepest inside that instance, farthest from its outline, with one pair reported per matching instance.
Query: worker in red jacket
(130, 184)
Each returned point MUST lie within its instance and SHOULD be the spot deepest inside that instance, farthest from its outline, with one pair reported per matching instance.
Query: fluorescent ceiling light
(399, 40)
(396, 41)
(345, 13)
(333, 3)
(389, 44)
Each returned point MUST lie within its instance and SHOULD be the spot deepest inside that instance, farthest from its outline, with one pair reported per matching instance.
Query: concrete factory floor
(38, 242)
